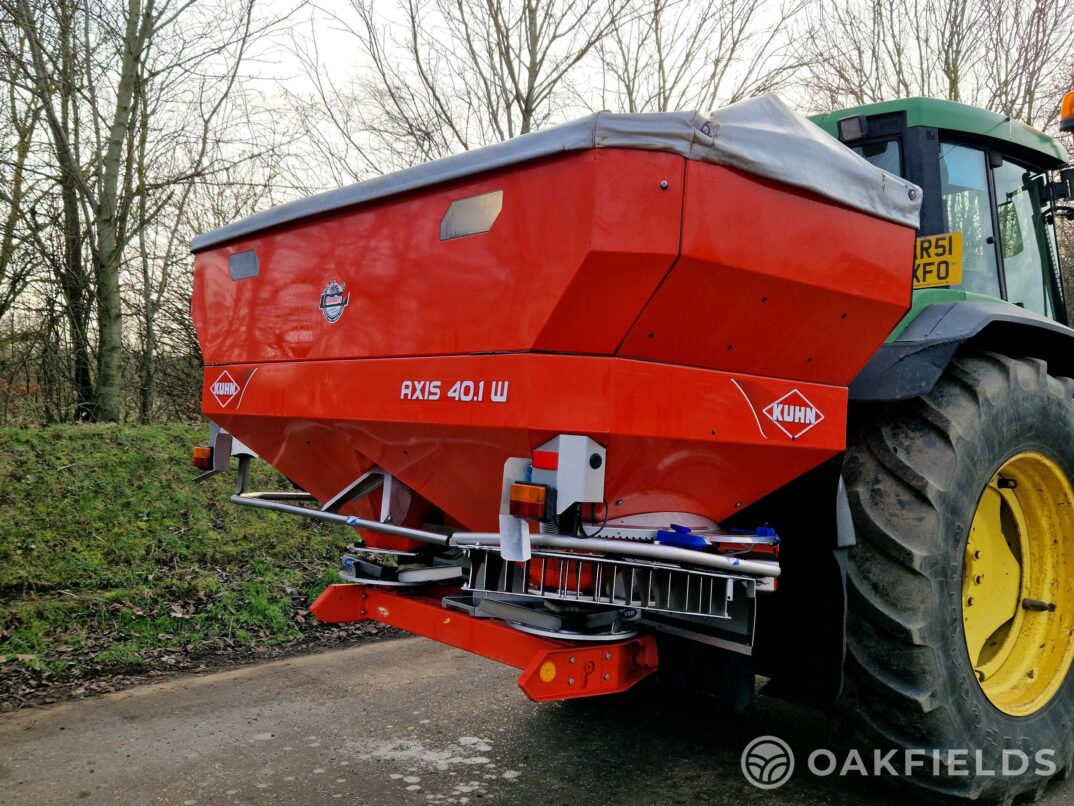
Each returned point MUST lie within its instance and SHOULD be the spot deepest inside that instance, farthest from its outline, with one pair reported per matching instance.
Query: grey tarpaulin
(762, 136)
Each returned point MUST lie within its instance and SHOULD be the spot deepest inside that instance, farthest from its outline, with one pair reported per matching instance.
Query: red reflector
(203, 458)
(546, 460)
(528, 509)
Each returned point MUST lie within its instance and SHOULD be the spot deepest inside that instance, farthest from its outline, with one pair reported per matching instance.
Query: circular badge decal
(334, 300)
(767, 762)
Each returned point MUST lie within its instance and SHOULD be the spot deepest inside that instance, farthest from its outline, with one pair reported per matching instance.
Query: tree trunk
(149, 362)
(139, 29)
(109, 402)
(73, 284)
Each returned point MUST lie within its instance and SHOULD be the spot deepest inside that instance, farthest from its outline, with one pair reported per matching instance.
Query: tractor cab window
(967, 209)
(1023, 237)
(885, 154)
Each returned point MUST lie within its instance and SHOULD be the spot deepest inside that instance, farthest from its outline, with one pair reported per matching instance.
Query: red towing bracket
(551, 670)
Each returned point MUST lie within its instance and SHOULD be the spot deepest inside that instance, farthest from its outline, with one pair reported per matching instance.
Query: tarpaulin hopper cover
(761, 136)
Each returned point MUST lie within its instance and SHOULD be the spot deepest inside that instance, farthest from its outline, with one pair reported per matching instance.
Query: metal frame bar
(624, 548)
(463, 540)
(280, 496)
(356, 490)
(242, 481)
(247, 500)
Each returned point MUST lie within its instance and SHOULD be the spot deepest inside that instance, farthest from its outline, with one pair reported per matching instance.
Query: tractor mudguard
(801, 629)
(912, 364)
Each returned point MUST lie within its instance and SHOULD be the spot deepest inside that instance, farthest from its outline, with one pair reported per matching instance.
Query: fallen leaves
(23, 685)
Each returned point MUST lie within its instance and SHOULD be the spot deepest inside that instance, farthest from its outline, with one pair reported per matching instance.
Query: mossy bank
(111, 556)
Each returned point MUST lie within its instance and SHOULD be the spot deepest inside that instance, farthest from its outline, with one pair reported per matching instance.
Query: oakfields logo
(793, 414)
(768, 763)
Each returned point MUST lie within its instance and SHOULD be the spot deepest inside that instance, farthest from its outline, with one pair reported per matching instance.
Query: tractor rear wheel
(961, 586)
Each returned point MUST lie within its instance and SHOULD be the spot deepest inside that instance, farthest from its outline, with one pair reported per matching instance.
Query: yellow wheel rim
(1018, 584)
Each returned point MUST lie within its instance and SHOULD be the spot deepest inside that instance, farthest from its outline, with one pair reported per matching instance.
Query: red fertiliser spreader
(581, 395)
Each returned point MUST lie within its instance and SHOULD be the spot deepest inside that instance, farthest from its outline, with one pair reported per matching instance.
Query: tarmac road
(401, 722)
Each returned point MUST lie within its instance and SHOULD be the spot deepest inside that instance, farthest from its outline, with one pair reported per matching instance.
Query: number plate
(938, 260)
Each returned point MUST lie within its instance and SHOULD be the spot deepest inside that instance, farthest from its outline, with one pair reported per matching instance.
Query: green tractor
(960, 588)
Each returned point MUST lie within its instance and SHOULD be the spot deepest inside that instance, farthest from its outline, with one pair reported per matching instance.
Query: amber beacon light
(1066, 113)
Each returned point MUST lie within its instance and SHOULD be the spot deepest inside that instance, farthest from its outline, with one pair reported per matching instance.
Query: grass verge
(111, 557)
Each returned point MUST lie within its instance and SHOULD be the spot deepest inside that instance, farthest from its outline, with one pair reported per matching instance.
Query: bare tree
(19, 118)
(1030, 43)
(63, 213)
(68, 35)
(165, 170)
(995, 54)
(674, 54)
(450, 75)
(107, 77)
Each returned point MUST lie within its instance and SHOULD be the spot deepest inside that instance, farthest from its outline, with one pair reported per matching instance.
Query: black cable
(581, 526)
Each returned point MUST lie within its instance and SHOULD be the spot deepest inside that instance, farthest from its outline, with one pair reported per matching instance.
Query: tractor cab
(992, 188)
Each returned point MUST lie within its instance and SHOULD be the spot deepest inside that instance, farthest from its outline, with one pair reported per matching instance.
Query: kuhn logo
(793, 414)
(225, 389)
(333, 301)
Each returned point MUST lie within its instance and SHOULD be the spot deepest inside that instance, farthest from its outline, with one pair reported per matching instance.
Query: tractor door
(1026, 239)
(995, 201)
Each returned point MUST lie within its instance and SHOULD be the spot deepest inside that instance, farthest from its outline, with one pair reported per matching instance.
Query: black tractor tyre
(914, 472)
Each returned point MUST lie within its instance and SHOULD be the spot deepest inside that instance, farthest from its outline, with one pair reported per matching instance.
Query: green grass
(108, 550)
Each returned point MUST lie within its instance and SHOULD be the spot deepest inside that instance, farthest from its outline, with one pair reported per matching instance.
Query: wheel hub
(1017, 590)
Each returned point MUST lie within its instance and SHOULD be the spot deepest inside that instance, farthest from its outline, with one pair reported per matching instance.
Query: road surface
(399, 722)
